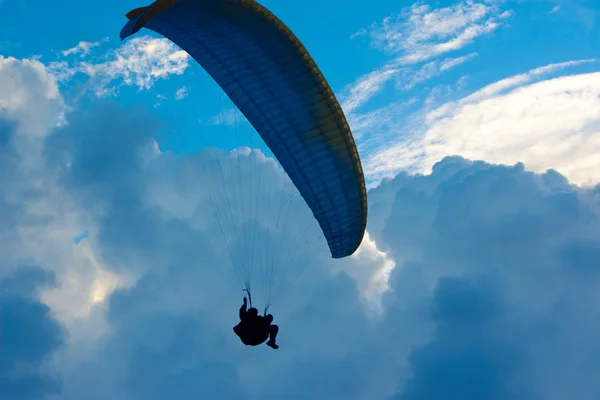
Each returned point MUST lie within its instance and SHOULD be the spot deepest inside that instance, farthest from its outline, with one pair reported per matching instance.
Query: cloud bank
(493, 294)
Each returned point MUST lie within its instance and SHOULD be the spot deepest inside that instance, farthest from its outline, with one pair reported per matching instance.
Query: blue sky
(481, 43)
(478, 127)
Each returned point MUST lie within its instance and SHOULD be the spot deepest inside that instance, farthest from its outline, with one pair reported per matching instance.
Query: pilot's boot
(271, 343)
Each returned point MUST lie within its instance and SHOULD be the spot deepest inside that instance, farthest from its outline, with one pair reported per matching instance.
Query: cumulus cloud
(371, 269)
(29, 337)
(466, 242)
(494, 246)
(486, 275)
(38, 218)
(450, 321)
(471, 356)
(29, 96)
(154, 257)
(187, 275)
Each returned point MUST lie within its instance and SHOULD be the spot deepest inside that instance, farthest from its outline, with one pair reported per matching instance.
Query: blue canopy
(271, 78)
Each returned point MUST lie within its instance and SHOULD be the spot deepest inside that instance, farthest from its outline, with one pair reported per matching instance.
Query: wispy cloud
(182, 93)
(450, 63)
(555, 9)
(366, 87)
(419, 34)
(517, 80)
(368, 127)
(139, 62)
(433, 69)
(83, 48)
(160, 98)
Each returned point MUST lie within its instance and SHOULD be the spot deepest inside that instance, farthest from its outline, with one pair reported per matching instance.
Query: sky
(130, 186)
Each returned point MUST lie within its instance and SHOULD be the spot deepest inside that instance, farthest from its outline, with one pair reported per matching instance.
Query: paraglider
(269, 75)
(255, 329)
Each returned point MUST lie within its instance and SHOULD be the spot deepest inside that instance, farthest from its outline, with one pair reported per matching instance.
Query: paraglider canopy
(269, 75)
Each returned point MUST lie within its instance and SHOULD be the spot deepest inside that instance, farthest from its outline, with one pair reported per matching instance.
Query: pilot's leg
(273, 330)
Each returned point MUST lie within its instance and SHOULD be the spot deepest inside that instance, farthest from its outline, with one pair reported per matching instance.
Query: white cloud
(514, 81)
(433, 69)
(83, 48)
(84, 279)
(397, 136)
(450, 63)
(418, 34)
(366, 87)
(552, 124)
(139, 62)
(159, 100)
(182, 93)
(555, 9)
(30, 96)
(43, 218)
(506, 14)
(491, 270)
(426, 51)
(371, 268)
(546, 124)
(462, 222)
(434, 243)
